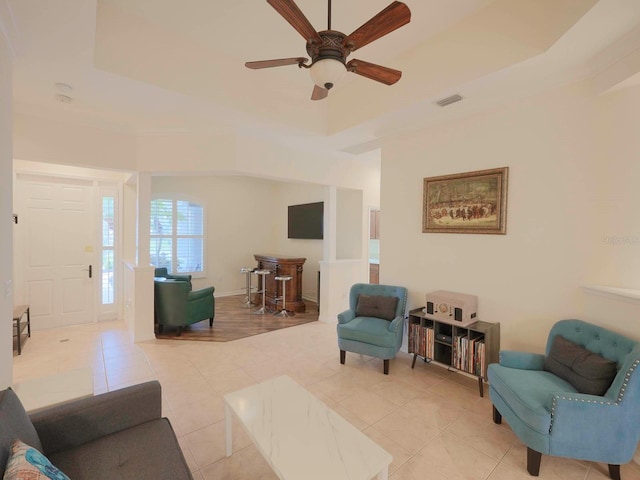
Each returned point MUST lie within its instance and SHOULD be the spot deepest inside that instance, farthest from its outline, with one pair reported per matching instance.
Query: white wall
(129, 220)
(6, 235)
(240, 221)
(186, 152)
(619, 175)
(50, 169)
(295, 194)
(70, 142)
(268, 160)
(245, 216)
(371, 200)
(567, 173)
(349, 224)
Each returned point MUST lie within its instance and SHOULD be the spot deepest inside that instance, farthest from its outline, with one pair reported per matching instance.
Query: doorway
(374, 245)
(65, 232)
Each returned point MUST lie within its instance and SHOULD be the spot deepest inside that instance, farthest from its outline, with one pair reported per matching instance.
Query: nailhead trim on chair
(558, 397)
(627, 376)
(625, 383)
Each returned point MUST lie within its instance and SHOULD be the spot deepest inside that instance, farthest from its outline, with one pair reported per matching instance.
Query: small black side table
(18, 312)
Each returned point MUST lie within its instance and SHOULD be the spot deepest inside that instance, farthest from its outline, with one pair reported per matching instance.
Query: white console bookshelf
(469, 349)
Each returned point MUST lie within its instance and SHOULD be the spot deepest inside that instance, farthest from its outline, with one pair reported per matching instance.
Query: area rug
(234, 321)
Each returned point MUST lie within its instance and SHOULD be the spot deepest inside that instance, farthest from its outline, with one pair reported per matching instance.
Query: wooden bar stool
(263, 274)
(283, 311)
(247, 271)
(18, 312)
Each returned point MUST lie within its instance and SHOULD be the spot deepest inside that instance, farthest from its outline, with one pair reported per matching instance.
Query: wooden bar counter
(280, 265)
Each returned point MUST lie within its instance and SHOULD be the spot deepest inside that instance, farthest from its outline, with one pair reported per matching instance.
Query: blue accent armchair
(551, 417)
(176, 305)
(369, 335)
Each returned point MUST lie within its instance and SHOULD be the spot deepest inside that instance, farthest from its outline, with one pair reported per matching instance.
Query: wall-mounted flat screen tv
(306, 221)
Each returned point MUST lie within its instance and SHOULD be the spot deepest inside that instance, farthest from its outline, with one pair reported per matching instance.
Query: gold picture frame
(472, 202)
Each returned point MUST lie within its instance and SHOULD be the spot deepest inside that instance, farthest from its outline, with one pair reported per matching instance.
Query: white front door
(55, 261)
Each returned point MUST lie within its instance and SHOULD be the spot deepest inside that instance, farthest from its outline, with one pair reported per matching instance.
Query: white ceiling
(168, 66)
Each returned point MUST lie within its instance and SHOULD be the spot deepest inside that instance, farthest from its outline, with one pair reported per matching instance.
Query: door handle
(90, 270)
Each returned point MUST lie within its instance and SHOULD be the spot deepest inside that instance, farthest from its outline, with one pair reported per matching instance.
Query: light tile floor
(431, 420)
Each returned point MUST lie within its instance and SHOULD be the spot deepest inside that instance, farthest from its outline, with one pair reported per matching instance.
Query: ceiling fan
(329, 49)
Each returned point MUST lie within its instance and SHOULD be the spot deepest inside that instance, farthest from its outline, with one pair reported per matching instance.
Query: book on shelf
(421, 340)
(469, 355)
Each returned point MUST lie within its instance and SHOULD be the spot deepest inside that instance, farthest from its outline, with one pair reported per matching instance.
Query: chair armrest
(394, 324)
(591, 415)
(521, 360)
(184, 278)
(204, 292)
(81, 421)
(346, 316)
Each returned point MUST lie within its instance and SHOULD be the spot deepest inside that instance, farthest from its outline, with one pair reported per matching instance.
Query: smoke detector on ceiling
(63, 90)
(63, 87)
(63, 98)
(443, 102)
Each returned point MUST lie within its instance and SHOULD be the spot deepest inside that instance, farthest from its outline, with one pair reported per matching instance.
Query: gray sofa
(116, 435)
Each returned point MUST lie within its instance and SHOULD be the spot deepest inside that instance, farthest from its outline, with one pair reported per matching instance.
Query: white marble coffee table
(300, 437)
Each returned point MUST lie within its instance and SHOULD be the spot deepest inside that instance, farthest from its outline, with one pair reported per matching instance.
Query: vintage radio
(451, 307)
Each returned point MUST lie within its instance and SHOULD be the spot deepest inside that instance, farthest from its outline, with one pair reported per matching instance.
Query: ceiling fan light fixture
(330, 48)
(327, 72)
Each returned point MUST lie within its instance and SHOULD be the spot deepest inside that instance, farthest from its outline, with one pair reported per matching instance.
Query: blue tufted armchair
(550, 416)
(374, 323)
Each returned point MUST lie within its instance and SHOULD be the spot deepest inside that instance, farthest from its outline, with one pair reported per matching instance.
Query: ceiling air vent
(449, 100)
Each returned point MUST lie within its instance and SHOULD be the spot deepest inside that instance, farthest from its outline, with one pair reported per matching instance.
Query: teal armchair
(163, 273)
(374, 323)
(546, 410)
(176, 305)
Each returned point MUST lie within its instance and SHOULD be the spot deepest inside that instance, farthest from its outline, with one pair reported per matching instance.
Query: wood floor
(233, 321)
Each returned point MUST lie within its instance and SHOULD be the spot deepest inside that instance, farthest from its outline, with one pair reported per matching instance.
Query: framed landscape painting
(472, 202)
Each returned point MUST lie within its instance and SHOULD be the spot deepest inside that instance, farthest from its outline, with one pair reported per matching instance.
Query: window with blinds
(177, 235)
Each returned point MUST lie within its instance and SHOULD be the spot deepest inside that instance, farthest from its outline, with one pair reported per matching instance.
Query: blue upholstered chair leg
(497, 418)
(533, 462)
(614, 472)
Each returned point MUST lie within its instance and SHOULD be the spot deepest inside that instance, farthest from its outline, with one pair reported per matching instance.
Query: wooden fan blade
(292, 14)
(276, 63)
(385, 75)
(391, 18)
(319, 93)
